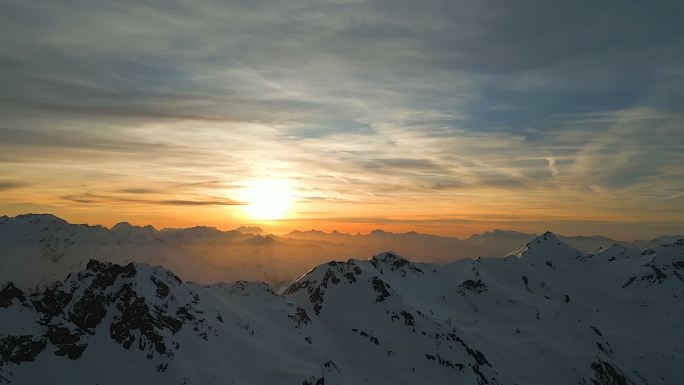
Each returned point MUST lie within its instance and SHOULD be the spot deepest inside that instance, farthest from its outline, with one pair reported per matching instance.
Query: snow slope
(546, 314)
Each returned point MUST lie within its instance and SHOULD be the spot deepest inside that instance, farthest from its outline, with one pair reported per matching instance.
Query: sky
(446, 117)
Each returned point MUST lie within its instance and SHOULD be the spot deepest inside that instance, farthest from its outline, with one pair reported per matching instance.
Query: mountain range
(544, 314)
(39, 248)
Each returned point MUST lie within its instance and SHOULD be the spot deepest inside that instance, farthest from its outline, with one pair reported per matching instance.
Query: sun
(268, 199)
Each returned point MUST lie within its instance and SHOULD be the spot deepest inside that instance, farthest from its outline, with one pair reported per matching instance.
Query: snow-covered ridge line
(608, 318)
(39, 248)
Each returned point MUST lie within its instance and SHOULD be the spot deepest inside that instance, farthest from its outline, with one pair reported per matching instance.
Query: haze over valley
(38, 248)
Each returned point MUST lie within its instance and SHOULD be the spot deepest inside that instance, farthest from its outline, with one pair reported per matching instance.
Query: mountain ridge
(39, 248)
(599, 320)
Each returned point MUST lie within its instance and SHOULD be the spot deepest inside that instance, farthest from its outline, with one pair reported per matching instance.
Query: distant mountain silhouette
(43, 247)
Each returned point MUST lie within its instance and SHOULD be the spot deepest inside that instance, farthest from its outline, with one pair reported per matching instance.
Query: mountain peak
(122, 225)
(388, 257)
(125, 227)
(260, 240)
(501, 232)
(500, 235)
(256, 230)
(39, 218)
(394, 262)
(546, 246)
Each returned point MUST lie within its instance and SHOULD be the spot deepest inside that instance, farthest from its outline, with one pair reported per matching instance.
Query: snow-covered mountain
(545, 314)
(441, 249)
(39, 248)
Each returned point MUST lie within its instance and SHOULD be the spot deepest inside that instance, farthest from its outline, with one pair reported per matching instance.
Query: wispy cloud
(105, 200)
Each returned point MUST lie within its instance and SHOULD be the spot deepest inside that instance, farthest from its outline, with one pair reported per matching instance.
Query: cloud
(96, 199)
(11, 185)
(552, 166)
(642, 146)
(464, 104)
(73, 139)
(139, 191)
(404, 164)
